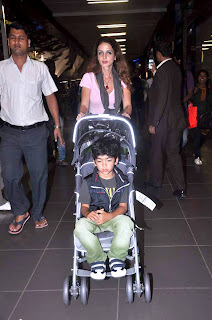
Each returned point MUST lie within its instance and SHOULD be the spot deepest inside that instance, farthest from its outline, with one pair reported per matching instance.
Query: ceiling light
(120, 40)
(109, 26)
(105, 1)
(207, 40)
(207, 45)
(122, 45)
(113, 34)
(124, 52)
(205, 48)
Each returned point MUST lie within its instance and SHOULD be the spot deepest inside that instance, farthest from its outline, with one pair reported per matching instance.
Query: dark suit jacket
(165, 107)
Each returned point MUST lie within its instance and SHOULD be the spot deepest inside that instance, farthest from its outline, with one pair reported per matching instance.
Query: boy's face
(105, 165)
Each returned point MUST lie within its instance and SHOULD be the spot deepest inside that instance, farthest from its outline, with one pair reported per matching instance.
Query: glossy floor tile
(175, 249)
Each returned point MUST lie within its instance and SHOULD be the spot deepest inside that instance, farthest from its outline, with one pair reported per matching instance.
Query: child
(104, 197)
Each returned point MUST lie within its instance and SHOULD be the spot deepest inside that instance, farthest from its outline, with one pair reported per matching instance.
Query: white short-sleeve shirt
(21, 92)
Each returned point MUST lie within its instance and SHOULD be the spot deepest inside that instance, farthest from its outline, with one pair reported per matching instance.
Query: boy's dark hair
(106, 146)
(18, 26)
(164, 47)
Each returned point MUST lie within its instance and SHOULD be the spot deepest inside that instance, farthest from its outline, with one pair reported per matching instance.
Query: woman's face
(105, 55)
(202, 78)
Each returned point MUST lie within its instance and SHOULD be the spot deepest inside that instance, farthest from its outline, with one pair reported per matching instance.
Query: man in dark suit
(166, 120)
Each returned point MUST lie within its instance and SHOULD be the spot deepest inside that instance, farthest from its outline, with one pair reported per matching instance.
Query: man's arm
(159, 93)
(53, 108)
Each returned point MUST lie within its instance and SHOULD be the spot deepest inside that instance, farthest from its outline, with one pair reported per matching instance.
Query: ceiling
(81, 20)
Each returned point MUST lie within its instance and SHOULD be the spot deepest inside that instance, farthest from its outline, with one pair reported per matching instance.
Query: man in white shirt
(23, 130)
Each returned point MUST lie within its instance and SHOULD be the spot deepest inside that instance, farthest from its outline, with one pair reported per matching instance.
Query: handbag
(192, 116)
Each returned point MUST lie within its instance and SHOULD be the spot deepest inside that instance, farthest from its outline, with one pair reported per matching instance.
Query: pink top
(96, 106)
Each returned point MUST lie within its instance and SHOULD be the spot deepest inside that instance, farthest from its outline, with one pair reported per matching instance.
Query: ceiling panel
(81, 20)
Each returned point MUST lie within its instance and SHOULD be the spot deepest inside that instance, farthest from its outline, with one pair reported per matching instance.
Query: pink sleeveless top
(96, 106)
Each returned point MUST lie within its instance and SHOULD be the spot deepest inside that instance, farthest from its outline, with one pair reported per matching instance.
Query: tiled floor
(177, 251)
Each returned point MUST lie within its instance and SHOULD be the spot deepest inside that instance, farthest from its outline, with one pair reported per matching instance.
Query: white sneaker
(198, 161)
(98, 270)
(5, 206)
(117, 268)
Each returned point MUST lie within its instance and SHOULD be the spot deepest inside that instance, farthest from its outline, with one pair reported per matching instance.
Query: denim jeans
(61, 149)
(122, 227)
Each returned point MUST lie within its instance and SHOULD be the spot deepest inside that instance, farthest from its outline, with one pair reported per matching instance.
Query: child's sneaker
(98, 270)
(117, 268)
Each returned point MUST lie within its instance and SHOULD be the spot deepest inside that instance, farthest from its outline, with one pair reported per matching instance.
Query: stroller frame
(71, 286)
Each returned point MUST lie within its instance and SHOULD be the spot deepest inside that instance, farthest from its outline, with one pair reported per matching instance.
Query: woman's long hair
(120, 63)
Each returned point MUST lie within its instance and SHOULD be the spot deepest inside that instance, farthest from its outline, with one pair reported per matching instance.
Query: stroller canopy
(89, 128)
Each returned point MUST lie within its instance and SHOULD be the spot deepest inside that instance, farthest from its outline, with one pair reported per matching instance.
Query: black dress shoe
(180, 193)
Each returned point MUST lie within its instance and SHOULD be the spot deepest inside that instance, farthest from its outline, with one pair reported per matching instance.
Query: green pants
(122, 227)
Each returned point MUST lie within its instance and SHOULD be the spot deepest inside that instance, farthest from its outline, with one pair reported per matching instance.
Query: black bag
(205, 121)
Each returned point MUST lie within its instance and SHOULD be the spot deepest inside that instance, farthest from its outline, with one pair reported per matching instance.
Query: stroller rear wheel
(66, 290)
(84, 290)
(147, 288)
(129, 289)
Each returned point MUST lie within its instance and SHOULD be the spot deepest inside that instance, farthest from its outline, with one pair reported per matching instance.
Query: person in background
(187, 91)
(166, 120)
(23, 131)
(106, 84)
(202, 99)
(60, 147)
(138, 104)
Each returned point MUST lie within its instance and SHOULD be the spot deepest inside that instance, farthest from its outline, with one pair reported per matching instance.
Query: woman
(202, 98)
(107, 82)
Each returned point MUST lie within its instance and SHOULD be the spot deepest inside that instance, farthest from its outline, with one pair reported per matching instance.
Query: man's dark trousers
(165, 145)
(32, 144)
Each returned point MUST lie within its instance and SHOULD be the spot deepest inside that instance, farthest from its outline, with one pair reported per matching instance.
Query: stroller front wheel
(147, 288)
(84, 290)
(66, 290)
(129, 289)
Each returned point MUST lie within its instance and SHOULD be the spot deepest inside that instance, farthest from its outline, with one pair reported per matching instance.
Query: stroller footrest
(83, 273)
(86, 273)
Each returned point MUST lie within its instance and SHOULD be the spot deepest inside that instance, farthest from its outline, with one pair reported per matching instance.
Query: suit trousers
(165, 145)
(32, 145)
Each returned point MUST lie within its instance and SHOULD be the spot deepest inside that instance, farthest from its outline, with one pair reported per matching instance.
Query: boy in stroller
(104, 198)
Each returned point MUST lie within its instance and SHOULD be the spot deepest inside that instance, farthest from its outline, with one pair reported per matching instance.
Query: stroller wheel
(129, 289)
(147, 288)
(66, 291)
(84, 290)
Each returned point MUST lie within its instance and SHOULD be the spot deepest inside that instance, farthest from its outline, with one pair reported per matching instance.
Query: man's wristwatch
(57, 127)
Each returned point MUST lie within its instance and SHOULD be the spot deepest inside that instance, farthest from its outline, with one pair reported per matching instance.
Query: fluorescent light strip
(207, 40)
(110, 26)
(205, 48)
(113, 34)
(106, 2)
(207, 45)
(122, 45)
(120, 40)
